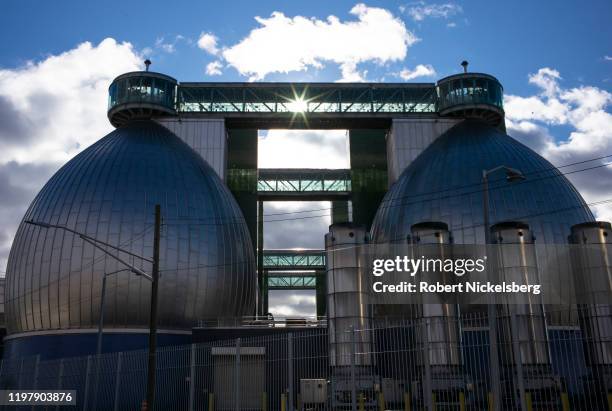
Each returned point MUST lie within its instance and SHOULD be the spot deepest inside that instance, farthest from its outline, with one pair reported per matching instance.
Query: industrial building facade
(418, 156)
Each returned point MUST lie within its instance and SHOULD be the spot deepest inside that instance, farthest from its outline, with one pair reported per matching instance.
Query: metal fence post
(237, 374)
(427, 388)
(117, 381)
(290, 370)
(35, 379)
(353, 361)
(20, 372)
(87, 371)
(192, 363)
(60, 375)
(36, 367)
(518, 361)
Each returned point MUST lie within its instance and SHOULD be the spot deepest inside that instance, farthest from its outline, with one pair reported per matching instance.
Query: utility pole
(153, 315)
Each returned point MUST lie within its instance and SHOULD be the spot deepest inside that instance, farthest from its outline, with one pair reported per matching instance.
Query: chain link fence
(435, 363)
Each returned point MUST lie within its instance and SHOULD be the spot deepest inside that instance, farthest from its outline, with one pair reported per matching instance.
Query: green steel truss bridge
(292, 281)
(311, 183)
(293, 260)
(277, 184)
(293, 269)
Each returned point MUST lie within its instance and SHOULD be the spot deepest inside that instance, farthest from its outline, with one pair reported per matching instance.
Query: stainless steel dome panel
(444, 184)
(108, 192)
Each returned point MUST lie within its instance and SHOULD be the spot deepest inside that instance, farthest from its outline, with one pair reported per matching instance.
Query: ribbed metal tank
(348, 294)
(440, 335)
(522, 318)
(592, 261)
(445, 184)
(108, 192)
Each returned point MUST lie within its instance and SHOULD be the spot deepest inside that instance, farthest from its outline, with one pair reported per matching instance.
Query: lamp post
(154, 278)
(512, 175)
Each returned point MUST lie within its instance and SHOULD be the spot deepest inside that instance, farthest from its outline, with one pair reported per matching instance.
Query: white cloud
(49, 111)
(296, 303)
(350, 73)
(214, 68)
(208, 43)
(608, 58)
(166, 46)
(421, 70)
(303, 149)
(584, 110)
(548, 80)
(420, 11)
(160, 43)
(283, 219)
(284, 44)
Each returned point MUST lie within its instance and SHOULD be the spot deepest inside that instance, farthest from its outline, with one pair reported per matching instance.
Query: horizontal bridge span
(292, 281)
(307, 97)
(286, 260)
(306, 105)
(290, 183)
(271, 184)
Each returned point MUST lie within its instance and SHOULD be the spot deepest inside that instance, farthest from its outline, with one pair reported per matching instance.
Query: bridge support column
(262, 278)
(340, 212)
(368, 155)
(264, 294)
(321, 293)
(242, 180)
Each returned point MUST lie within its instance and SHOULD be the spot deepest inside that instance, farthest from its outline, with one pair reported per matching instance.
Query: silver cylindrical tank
(348, 294)
(440, 335)
(522, 317)
(592, 266)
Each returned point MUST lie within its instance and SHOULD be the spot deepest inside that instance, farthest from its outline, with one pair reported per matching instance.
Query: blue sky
(508, 39)
(58, 58)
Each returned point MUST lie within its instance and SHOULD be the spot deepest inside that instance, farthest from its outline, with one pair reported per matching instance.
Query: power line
(464, 186)
(555, 211)
(234, 263)
(135, 238)
(383, 205)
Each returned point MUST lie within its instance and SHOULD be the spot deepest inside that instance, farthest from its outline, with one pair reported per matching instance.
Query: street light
(154, 278)
(512, 175)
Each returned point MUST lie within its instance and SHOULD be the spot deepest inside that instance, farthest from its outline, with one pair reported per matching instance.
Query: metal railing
(310, 98)
(304, 181)
(406, 364)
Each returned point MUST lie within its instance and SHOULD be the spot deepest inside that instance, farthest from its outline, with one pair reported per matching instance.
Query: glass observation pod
(474, 95)
(141, 94)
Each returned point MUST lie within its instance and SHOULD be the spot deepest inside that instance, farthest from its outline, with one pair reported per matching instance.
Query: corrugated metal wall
(407, 138)
(208, 137)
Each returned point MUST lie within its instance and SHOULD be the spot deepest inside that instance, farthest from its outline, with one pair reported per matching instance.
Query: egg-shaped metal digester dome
(109, 192)
(445, 184)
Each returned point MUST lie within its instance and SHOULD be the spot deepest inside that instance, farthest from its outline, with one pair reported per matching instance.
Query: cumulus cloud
(166, 45)
(208, 43)
(304, 226)
(302, 149)
(49, 111)
(532, 119)
(420, 11)
(421, 70)
(283, 44)
(297, 303)
(214, 68)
